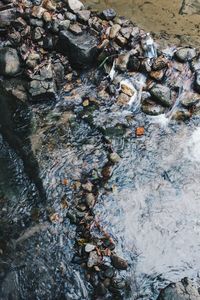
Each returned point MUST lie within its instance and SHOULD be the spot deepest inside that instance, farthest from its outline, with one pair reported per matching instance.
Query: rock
(157, 75)
(118, 283)
(119, 263)
(70, 16)
(149, 107)
(59, 74)
(185, 54)
(195, 65)
(48, 42)
(197, 81)
(9, 62)
(123, 99)
(82, 50)
(126, 32)
(159, 63)
(127, 88)
(38, 11)
(181, 114)
(133, 63)
(122, 61)
(33, 60)
(120, 40)
(108, 14)
(90, 200)
(36, 22)
(75, 29)
(161, 94)
(47, 16)
(38, 33)
(100, 289)
(87, 186)
(190, 99)
(114, 157)
(93, 259)
(74, 5)
(83, 15)
(89, 248)
(16, 87)
(42, 90)
(49, 5)
(179, 291)
(7, 16)
(15, 38)
(114, 30)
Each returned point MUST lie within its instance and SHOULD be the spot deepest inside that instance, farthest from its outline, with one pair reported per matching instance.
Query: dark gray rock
(185, 54)
(108, 14)
(9, 62)
(82, 50)
(180, 291)
(161, 94)
(133, 63)
(70, 16)
(152, 108)
(119, 263)
(197, 81)
(7, 16)
(42, 90)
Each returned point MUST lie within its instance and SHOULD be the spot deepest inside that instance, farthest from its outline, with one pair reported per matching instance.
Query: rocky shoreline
(69, 66)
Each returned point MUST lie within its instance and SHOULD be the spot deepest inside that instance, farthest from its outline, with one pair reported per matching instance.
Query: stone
(181, 114)
(180, 291)
(123, 99)
(82, 50)
(93, 259)
(133, 63)
(7, 16)
(38, 11)
(83, 15)
(185, 54)
(100, 290)
(33, 60)
(14, 38)
(189, 99)
(108, 14)
(161, 94)
(126, 32)
(74, 5)
(16, 87)
(190, 7)
(90, 200)
(119, 263)
(47, 16)
(42, 90)
(87, 186)
(197, 81)
(159, 63)
(114, 30)
(122, 61)
(120, 40)
(38, 33)
(36, 22)
(152, 108)
(127, 88)
(114, 157)
(48, 42)
(89, 247)
(75, 29)
(70, 16)
(9, 62)
(158, 75)
(59, 74)
(195, 65)
(49, 5)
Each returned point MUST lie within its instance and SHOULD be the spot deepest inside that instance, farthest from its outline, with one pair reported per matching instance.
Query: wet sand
(175, 22)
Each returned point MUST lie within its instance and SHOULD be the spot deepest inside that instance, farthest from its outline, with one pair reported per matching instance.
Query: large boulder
(9, 62)
(183, 290)
(81, 49)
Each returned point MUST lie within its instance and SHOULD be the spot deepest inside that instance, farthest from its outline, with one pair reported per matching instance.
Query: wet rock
(149, 107)
(120, 40)
(48, 42)
(179, 291)
(126, 32)
(32, 60)
(36, 22)
(82, 50)
(158, 75)
(87, 186)
(100, 289)
(47, 16)
(181, 114)
(74, 5)
(162, 94)
(17, 88)
(123, 99)
(122, 61)
(7, 16)
(127, 88)
(108, 14)
(38, 11)
(15, 38)
(109, 272)
(114, 157)
(75, 29)
(119, 263)
(90, 200)
(89, 248)
(114, 30)
(38, 33)
(59, 74)
(93, 260)
(195, 65)
(185, 54)
(83, 15)
(9, 62)
(42, 90)
(190, 99)
(118, 283)
(133, 63)
(70, 16)
(160, 63)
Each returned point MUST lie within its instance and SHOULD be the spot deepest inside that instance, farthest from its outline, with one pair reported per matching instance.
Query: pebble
(123, 99)
(122, 61)
(47, 16)
(162, 94)
(126, 32)
(119, 263)
(93, 260)
(89, 248)
(9, 62)
(108, 14)
(83, 15)
(32, 60)
(114, 30)
(74, 5)
(87, 186)
(185, 54)
(38, 11)
(149, 107)
(100, 290)
(64, 25)
(114, 157)
(70, 16)
(75, 29)
(157, 75)
(90, 200)
(120, 40)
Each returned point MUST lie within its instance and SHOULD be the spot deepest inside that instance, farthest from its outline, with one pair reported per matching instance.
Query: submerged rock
(9, 62)
(152, 108)
(179, 291)
(119, 263)
(82, 49)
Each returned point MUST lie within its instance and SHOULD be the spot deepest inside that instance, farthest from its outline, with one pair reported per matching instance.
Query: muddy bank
(89, 79)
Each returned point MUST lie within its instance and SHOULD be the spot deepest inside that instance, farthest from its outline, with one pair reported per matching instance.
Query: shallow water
(153, 211)
(176, 21)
